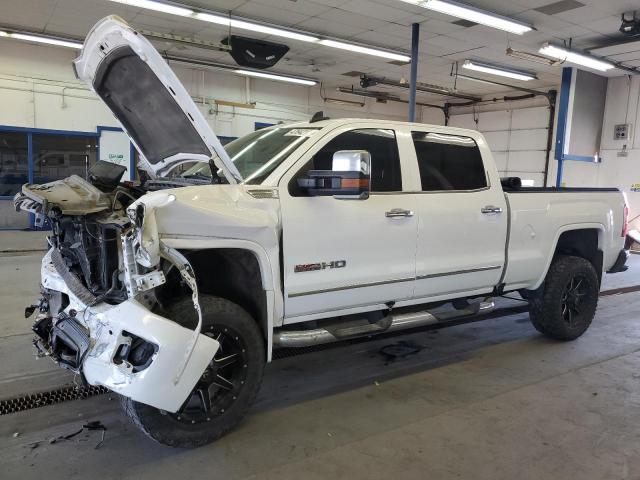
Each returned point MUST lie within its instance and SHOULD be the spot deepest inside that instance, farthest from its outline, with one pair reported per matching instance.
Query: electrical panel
(621, 131)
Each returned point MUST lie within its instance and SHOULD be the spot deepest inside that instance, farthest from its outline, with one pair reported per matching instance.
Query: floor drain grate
(42, 399)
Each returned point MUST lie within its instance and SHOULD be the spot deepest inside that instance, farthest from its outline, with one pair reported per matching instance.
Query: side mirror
(349, 177)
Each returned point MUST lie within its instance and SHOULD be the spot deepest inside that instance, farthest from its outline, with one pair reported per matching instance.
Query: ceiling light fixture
(254, 27)
(473, 14)
(280, 78)
(159, 7)
(501, 71)
(366, 50)
(571, 56)
(59, 42)
(175, 8)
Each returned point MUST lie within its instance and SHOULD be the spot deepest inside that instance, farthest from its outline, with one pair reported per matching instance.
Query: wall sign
(115, 147)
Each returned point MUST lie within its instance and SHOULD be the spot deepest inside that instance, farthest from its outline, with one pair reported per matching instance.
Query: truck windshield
(256, 155)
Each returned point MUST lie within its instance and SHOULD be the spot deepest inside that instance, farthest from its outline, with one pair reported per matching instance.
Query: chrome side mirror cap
(349, 178)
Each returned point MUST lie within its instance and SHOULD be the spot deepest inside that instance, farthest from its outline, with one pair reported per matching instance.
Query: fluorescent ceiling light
(175, 8)
(473, 14)
(495, 70)
(158, 7)
(282, 78)
(571, 56)
(254, 27)
(366, 50)
(41, 39)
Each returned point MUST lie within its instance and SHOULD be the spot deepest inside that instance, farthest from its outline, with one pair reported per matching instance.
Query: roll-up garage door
(518, 139)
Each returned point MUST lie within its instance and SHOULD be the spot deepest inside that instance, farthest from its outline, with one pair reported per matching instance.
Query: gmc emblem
(312, 267)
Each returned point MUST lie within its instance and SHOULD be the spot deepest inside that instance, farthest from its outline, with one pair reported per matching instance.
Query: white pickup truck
(174, 293)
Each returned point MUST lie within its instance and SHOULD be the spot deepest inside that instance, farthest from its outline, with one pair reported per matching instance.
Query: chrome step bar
(393, 322)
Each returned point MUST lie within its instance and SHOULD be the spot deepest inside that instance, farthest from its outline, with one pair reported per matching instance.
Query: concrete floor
(483, 400)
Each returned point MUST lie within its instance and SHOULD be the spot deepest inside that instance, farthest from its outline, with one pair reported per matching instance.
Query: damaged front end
(100, 314)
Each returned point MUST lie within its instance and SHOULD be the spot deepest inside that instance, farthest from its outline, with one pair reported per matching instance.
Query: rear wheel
(227, 388)
(565, 305)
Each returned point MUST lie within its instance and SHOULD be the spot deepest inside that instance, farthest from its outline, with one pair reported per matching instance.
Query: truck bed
(539, 216)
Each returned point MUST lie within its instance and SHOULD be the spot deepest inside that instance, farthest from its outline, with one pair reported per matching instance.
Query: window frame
(411, 142)
(330, 134)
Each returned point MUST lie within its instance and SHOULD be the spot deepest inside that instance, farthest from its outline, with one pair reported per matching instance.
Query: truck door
(348, 254)
(462, 216)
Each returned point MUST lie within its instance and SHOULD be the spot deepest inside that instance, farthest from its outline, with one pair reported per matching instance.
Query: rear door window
(448, 162)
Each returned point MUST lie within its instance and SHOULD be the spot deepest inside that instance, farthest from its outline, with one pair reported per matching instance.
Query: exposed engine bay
(87, 219)
(99, 284)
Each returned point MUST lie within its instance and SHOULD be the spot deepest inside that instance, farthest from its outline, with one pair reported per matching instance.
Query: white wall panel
(16, 106)
(529, 139)
(530, 118)
(527, 161)
(498, 141)
(462, 121)
(502, 160)
(493, 121)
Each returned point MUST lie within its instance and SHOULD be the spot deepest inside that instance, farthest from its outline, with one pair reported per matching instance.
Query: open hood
(148, 100)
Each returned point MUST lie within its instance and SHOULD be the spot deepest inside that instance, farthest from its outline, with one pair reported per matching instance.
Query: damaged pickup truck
(174, 293)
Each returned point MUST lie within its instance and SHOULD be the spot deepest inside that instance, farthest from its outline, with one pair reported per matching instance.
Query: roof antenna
(318, 117)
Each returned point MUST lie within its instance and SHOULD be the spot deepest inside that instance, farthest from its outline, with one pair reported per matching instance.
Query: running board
(392, 322)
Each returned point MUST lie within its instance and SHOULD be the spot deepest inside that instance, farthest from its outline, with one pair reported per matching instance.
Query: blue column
(415, 38)
(30, 175)
(563, 113)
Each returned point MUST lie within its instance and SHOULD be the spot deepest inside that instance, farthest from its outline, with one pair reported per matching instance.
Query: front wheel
(566, 304)
(227, 388)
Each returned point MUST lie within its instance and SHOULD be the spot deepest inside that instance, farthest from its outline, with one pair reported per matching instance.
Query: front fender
(269, 271)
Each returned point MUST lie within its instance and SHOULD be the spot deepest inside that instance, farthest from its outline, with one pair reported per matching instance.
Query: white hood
(149, 101)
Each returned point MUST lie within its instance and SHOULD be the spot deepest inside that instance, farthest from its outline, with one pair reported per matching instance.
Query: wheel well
(234, 274)
(581, 243)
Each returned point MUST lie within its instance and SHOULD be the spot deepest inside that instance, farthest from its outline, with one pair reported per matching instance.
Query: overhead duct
(367, 81)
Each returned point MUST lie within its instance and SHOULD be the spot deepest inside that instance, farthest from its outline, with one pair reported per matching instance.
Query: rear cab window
(448, 162)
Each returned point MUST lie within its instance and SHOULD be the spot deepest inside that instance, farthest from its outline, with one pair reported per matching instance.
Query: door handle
(398, 212)
(490, 210)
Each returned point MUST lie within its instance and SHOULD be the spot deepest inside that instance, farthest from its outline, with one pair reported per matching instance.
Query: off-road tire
(547, 303)
(164, 427)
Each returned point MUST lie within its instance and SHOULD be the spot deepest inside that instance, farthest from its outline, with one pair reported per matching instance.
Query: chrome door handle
(490, 209)
(398, 212)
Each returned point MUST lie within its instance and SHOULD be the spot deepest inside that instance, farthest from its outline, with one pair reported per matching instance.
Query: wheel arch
(239, 271)
(580, 240)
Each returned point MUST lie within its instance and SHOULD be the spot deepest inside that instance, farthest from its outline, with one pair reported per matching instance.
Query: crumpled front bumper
(160, 384)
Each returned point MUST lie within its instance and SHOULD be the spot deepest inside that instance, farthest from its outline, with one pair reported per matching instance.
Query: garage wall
(620, 166)
(517, 137)
(38, 89)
